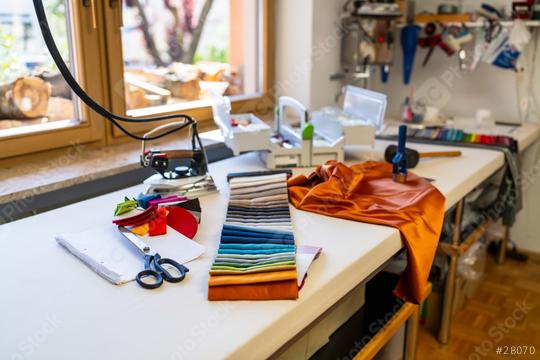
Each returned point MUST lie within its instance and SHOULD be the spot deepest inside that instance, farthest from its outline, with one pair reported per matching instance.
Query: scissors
(153, 262)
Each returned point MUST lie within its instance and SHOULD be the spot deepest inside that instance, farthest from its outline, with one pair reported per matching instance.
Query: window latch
(92, 5)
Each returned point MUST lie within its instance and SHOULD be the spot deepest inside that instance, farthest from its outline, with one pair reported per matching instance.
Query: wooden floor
(505, 311)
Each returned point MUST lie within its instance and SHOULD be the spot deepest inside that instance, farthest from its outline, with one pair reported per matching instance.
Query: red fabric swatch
(158, 225)
(136, 220)
(182, 221)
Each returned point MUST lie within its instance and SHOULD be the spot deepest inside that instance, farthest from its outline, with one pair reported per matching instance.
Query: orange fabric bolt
(367, 193)
(278, 290)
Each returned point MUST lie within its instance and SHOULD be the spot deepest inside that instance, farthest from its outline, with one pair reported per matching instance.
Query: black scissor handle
(147, 274)
(166, 275)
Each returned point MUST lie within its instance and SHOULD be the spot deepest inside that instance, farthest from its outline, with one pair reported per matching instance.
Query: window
(35, 103)
(172, 55)
(32, 90)
(136, 57)
(181, 51)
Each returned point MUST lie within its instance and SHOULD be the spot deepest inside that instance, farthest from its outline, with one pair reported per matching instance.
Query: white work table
(52, 306)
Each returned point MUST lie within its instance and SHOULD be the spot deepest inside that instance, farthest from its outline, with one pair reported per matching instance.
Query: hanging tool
(366, 39)
(386, 44)
(399, 162)
(493, 27)
(457, 36)
(153, 262)
(434, 37)
(522, 9)
(385, 73)
(414, 157)
(490, 12)
(409, 39)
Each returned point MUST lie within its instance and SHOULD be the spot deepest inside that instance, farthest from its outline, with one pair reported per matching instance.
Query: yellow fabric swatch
(217, 280)
(141, 230)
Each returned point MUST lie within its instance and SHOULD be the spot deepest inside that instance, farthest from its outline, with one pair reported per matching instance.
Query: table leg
(504, 244)
(412, 335)
(449, 290)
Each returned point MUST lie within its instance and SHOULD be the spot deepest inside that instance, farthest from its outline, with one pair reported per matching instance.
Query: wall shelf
(477, 24)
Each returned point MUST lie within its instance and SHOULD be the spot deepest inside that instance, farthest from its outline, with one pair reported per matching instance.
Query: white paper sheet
(106, 251)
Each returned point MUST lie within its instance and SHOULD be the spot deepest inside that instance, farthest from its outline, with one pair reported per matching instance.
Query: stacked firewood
(30, 97)
(178, 83)
(39, 97)
(25, 98)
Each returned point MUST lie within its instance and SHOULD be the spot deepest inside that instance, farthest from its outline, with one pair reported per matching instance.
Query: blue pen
(399, 162)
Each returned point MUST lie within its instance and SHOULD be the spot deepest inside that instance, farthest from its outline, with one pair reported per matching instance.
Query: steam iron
(178, 172)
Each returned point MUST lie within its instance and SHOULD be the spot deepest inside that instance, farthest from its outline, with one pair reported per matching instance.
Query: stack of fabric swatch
(450, 135)
(256, 258)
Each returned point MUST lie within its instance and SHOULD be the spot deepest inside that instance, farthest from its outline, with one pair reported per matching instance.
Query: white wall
(526, 230)
(293, 48)
(307, 50)
(456, 93)
(325, 54)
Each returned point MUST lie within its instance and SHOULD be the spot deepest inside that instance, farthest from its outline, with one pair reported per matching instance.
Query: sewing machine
(298, 145)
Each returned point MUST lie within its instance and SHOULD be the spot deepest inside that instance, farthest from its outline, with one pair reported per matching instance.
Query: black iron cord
(74, 85)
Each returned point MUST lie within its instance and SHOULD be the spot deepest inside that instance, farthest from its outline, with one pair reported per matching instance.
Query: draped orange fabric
(367, 193)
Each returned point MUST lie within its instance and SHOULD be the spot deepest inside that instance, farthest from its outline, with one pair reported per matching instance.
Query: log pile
(179, 82)
(59, 109)
(25, 98)
(188, 89)
(59, 87)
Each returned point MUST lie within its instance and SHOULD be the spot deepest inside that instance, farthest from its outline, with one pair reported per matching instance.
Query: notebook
(107, 252)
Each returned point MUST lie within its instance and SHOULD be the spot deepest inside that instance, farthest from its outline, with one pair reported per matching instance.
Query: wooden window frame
(93, 48)
(86, 45)
(261, 104)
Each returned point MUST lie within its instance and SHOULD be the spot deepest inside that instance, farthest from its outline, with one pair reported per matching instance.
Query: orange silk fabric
(367, 193)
